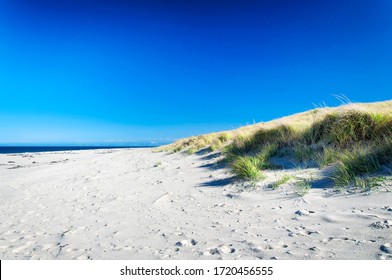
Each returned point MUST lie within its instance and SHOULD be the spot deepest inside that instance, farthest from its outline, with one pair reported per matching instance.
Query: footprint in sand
(381, 224)
(341, 239)
(384, 257)
(220, 250)
(301, 231)
(386, 248)
(304, 212)
(186, 243)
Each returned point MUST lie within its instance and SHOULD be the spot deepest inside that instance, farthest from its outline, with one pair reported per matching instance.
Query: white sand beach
(137, 204)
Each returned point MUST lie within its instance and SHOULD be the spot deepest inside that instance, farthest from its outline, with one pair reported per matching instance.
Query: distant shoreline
(38, 149)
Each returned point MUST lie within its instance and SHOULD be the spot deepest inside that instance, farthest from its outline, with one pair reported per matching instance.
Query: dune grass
(356, 139)
(355, 162)
(369, 183)
(219, 141)
(326, 156)
(303, 186)
(191, 150)
(348, 128)
(303, 153)
(285, 179)
(247, 168)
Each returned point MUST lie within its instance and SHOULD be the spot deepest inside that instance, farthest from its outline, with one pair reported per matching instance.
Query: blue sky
(123, 72)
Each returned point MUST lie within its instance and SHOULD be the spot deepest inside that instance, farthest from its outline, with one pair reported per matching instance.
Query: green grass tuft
(368, 183)
(327, 156)
(281, 181)
(247, 168)
(353, 163)
(303, 186)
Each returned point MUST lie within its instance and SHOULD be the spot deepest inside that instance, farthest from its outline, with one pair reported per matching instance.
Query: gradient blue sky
(121, 72)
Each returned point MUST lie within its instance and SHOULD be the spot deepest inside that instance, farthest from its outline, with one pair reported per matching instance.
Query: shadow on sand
(211, 156)
(217, 183)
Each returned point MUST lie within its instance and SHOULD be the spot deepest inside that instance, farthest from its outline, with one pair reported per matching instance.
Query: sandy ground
(136, 204)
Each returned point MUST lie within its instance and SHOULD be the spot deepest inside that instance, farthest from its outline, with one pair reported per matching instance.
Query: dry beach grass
(356, 138)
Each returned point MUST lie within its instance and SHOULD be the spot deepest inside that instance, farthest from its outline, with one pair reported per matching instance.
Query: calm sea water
(36, 149)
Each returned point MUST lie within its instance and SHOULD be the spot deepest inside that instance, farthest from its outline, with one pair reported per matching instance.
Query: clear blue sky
(106, 72)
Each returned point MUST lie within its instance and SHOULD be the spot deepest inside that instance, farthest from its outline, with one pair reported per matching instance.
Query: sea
(38, 149)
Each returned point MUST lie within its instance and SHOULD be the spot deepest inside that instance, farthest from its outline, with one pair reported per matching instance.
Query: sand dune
(136, 204)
